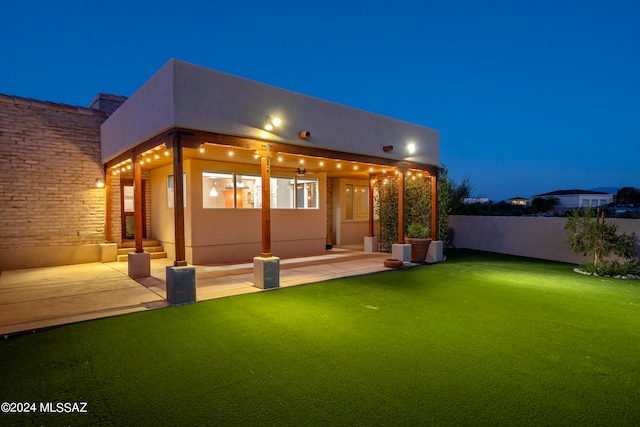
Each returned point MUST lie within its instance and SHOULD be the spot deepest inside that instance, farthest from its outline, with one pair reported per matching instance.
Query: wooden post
(108, 232)
(401, 173)
(371, 193)
(137, 201)
(265, 169)
(434, 209)
(178, 202)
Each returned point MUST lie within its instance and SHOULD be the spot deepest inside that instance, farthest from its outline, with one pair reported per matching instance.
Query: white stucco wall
(231, 235)
(348, 231)
(536, 237)
(185, 95)
(146, 113)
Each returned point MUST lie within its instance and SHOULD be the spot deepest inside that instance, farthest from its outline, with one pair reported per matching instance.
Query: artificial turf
(481, 339)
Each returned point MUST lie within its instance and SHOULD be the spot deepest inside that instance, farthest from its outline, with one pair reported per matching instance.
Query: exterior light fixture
(411, 148)
(272, 122)
(99, 183)
(202, 148)
(387, 148)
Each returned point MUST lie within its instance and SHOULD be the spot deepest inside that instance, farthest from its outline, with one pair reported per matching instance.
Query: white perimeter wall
(536, 237)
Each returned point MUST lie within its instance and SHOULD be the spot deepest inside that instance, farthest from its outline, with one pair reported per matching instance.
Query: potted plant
(419, 237)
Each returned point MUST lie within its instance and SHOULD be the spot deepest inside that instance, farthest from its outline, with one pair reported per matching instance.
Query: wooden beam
(371, 193)
(265, 171)
(178, 201)
(108, 230)
(434, 208)
(401, 173)
(137, 202)
(196, 138)
(193, 138)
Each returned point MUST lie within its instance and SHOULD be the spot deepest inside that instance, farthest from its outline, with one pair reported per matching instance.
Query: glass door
(127, 210)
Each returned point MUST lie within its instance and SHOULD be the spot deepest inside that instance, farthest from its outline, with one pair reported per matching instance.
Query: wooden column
(371, 193)
(434, 209)
(108, 231)
(178, 202)
(265, 169)
(137, 201)
(401, 173)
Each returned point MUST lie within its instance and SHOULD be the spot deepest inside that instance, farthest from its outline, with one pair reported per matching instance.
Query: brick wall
(49, 161)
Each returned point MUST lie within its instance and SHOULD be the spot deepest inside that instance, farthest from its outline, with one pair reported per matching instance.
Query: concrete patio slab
(39, 298)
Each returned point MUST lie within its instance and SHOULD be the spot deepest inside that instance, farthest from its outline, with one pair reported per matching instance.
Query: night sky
(528, 96)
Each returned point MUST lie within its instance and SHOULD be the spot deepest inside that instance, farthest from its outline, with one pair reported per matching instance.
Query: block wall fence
(535, 237)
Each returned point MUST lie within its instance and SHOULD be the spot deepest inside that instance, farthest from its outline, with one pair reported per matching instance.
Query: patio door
(127, 210)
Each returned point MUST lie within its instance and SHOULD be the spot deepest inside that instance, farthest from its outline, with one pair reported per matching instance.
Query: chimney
(107, 103)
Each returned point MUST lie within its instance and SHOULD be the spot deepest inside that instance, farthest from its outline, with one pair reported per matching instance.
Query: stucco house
(572, 199)
(215, 167)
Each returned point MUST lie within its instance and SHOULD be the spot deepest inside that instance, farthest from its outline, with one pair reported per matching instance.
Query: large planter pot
(419, 248)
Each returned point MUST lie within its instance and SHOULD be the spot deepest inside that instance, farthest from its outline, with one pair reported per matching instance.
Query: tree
(457, 194)
(544, 204)
(589, 234)
(628, 195)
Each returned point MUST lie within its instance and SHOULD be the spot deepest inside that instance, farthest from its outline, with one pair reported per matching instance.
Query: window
(228, 190)
(170, 187)
(357, 202)
(282, 193)
(306, 193)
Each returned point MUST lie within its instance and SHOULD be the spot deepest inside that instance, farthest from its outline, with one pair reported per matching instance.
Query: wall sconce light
(387, 148)
(99, 183)
(202, 148)
(304, 134)
(272, 122)
(411, 148)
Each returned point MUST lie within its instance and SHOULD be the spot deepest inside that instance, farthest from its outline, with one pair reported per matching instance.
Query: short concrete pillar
(436, 251)
(139, 265)
(181, 285)
(108, 252)
(401, 251)
(266, 272)
(370, 244)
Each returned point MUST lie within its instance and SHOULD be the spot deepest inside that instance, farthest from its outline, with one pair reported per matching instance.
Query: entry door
(127, 210)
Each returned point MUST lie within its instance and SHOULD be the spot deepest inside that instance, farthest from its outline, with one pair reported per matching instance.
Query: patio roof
(201, 100)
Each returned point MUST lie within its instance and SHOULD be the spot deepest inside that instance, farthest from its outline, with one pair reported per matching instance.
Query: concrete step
(145, 243)
(151, 249)
(154, 255)
(154, 247)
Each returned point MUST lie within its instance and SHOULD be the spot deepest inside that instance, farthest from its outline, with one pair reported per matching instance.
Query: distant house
(518, 201)
(571, 199)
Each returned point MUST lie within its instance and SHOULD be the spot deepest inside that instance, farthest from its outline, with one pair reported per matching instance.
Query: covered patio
(239, 170)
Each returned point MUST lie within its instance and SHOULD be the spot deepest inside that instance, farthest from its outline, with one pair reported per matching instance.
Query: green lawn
(481, 339)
